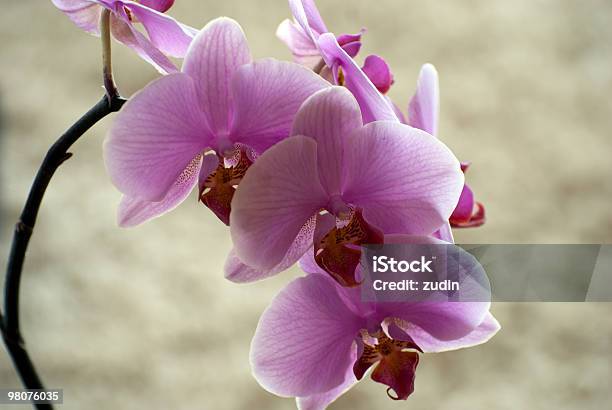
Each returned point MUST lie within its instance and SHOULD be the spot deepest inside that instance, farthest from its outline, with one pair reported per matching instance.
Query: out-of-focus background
(143, 319)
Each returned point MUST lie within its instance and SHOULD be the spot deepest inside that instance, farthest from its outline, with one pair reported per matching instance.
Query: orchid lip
(217, 189)
(395, 360)
(339, 253)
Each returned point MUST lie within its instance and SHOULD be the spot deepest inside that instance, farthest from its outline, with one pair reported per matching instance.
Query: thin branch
(57, 154)
(107, 62)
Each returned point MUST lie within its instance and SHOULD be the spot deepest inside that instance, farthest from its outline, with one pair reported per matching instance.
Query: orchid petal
(312, 14)
(398, 112)
(378, 71)
(280, 192)
(154, 137)
(431, 344)
(214, 56)
(267, 95)
(304, 51)
(72, 5)
(329, 117)
(125, 33)
(477, 219)
(308, 264)
(303, 344)
(238, 272)
(301, 17)
(440, 319)
(465, 206)
(374, 106)
(84, 13)
(413, 239)
(320, 401)
(165, 33)
(159, 5)
(351, 43)
(405, 180)
(424, 107)
(352, 49)
(444, 321)
(445, 233)
(133, 211)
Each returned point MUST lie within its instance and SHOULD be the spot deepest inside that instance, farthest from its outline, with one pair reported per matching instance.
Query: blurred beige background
(143, 319)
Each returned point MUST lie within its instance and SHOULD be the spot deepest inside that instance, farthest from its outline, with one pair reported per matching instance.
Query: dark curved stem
(57, 154)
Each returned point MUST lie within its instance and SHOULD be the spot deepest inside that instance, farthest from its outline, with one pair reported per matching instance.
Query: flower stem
(57, 154)
(107, 61)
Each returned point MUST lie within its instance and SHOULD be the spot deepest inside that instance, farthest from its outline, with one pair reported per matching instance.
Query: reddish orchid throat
(397, 362)
(338, 253)
(217, 189)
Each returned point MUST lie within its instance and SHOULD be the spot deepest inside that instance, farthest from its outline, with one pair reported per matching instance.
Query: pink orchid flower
(156, 150)
(301, 34)
(384, 177)
(166, 36)
(423, 113)
(316, 339)
(302, 37)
